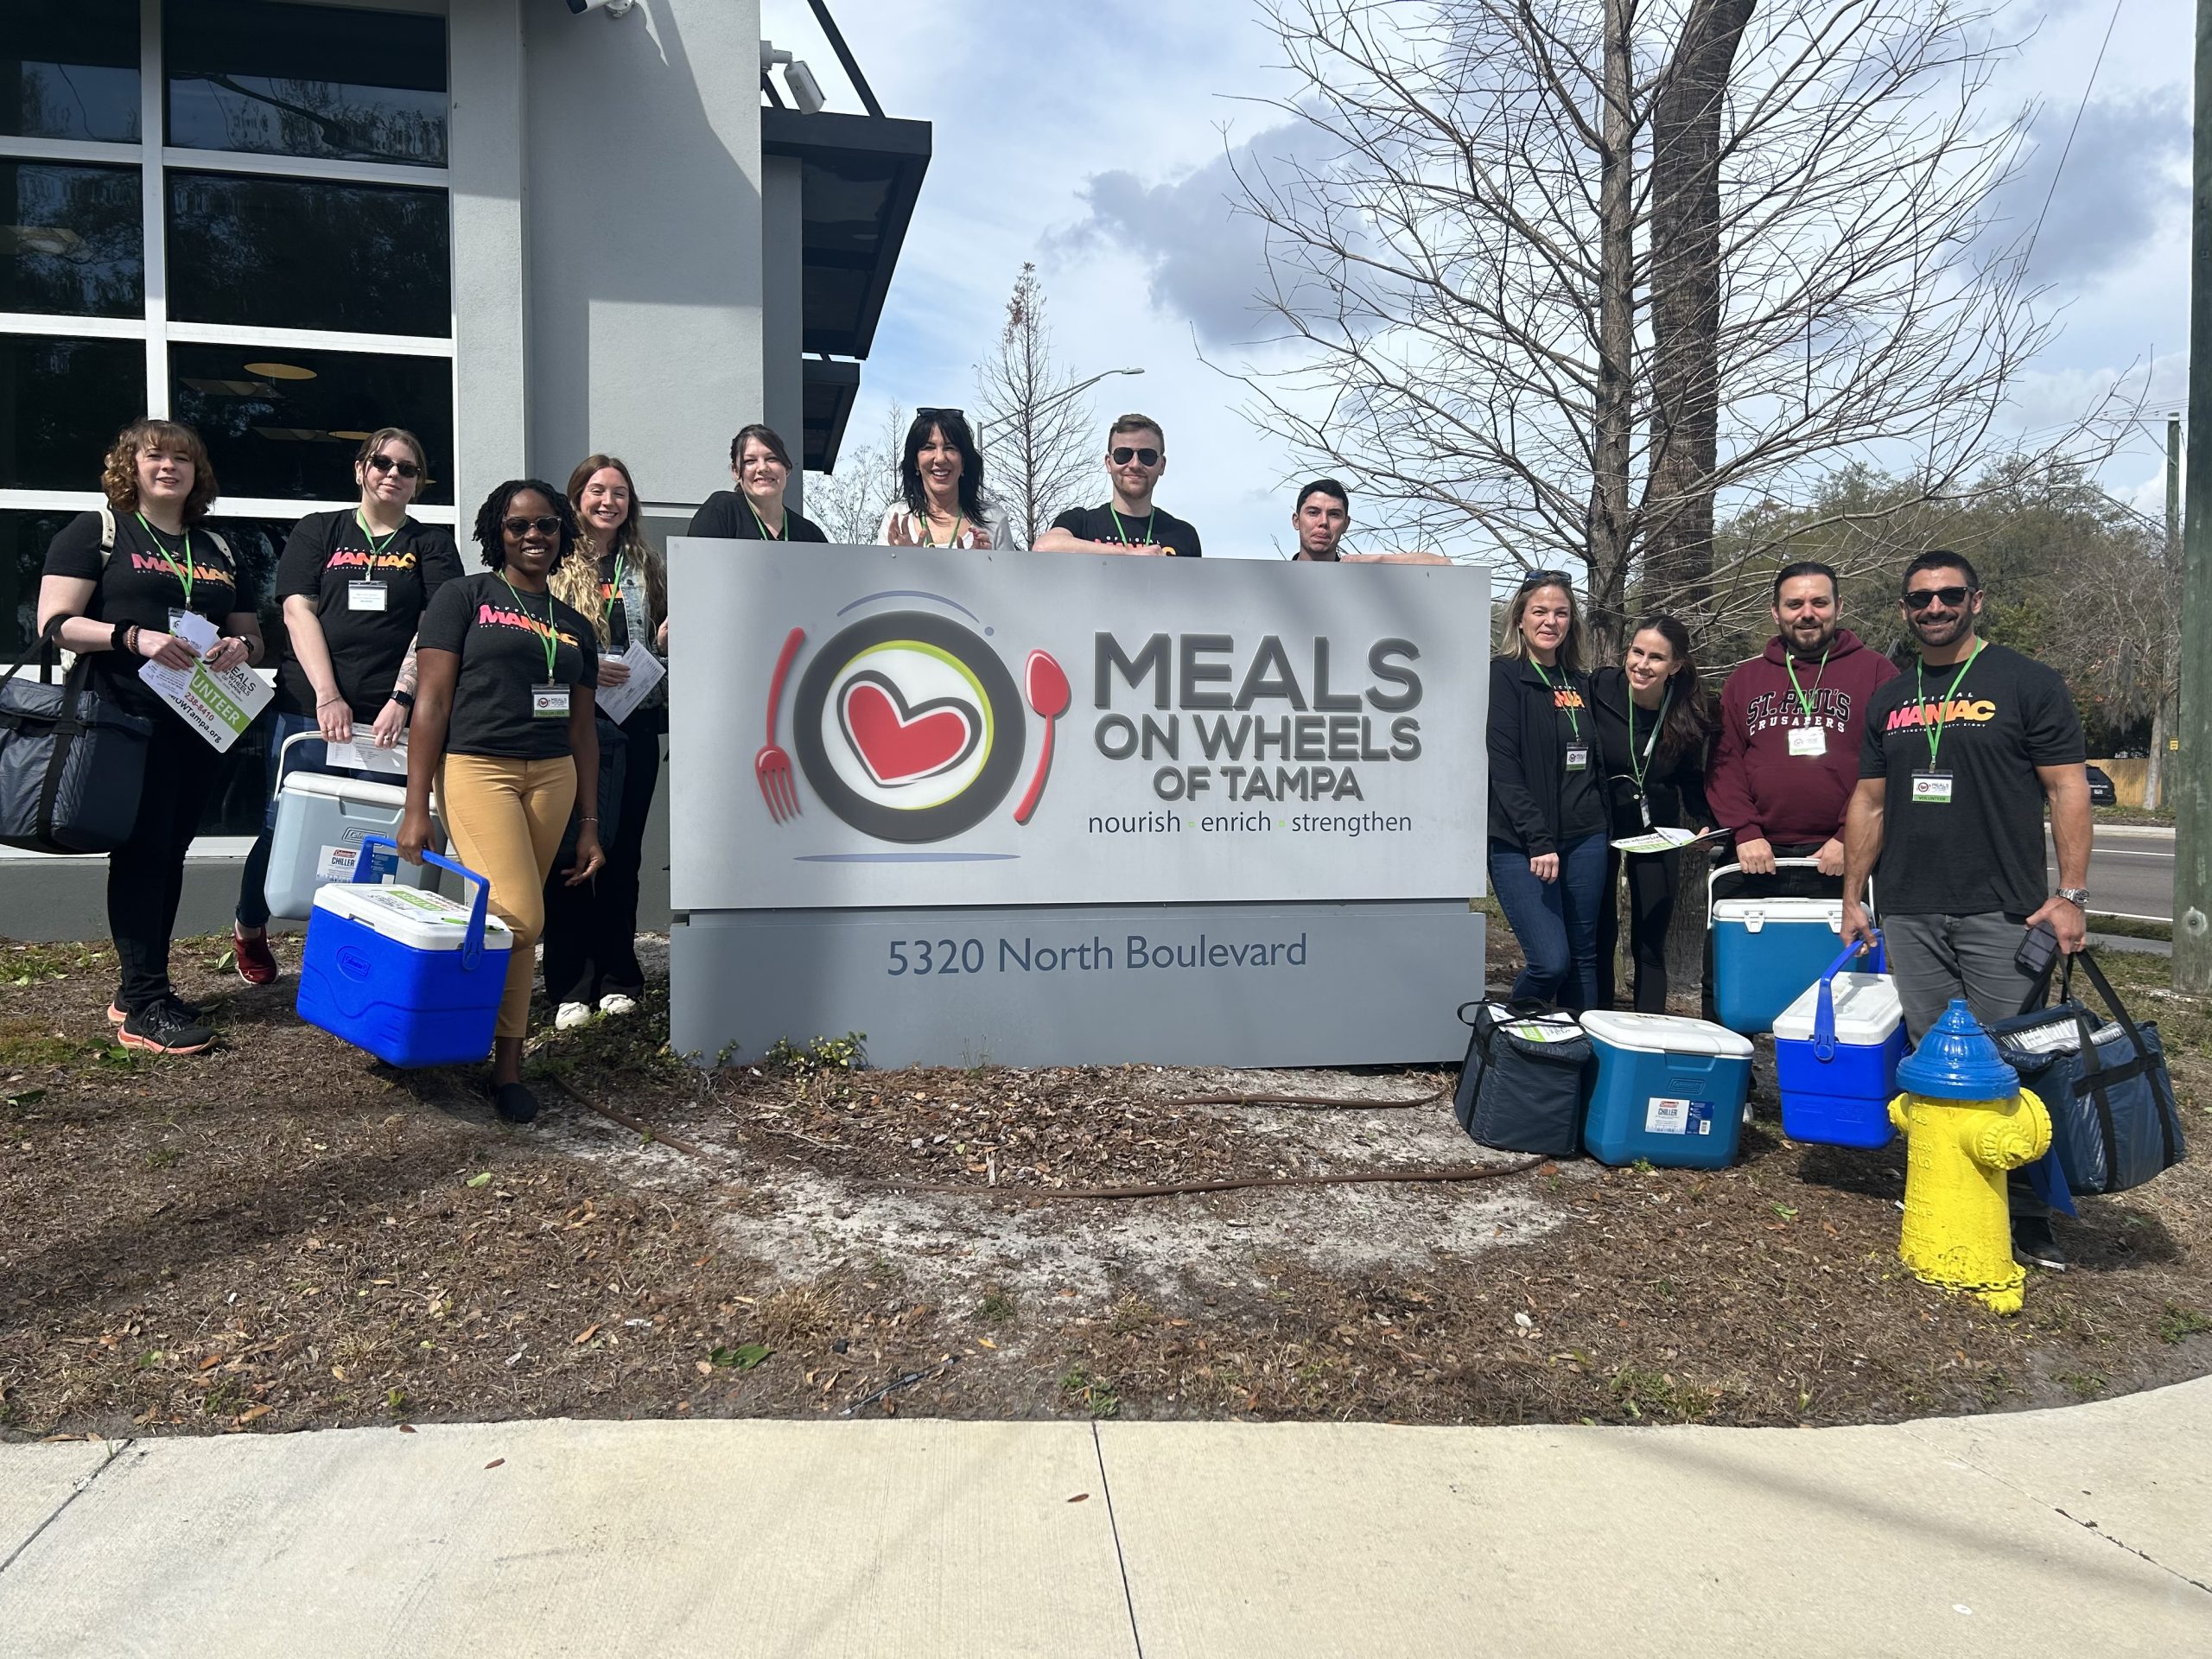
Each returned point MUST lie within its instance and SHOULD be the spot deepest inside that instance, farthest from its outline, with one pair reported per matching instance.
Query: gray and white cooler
(321, 821)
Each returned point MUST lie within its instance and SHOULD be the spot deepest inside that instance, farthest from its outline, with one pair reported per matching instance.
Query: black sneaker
(191, 1011)
(2035, 1245)
(515, 1104)
(165, 1026)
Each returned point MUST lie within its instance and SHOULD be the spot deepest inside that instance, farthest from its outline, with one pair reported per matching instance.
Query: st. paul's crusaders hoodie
(1756, 786)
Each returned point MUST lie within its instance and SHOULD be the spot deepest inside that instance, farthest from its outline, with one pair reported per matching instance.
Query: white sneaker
(615, 1002)
(571, 1015)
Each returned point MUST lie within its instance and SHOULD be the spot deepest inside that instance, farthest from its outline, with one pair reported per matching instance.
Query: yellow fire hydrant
(1967, 1121)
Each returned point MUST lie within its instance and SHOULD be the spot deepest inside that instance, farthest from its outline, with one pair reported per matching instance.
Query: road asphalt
(2084, 1530)
(2130, 871)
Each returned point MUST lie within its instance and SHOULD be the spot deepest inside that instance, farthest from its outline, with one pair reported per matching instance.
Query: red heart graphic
(898, 745)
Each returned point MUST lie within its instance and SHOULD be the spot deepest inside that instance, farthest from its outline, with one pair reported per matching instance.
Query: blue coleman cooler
(1767, 951)
(1836, 1050)
(413, 978)
(321, 821)
(1667, 1088)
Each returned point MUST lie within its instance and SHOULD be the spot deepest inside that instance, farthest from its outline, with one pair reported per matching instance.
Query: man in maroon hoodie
(1787, 760)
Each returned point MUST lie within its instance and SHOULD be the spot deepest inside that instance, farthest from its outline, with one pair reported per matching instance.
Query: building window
(62, 403)
(71, 241)
(331, 82)
(69, 69)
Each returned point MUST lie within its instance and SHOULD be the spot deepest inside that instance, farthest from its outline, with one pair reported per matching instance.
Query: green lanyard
(376, 552)
(1639, 768)
(1804, 701)
(1122, 529)
(614, 595)
(953, 540)
(1573, 720)
(552, 639)
(183, 573)
(765, 534)
(1920, 692)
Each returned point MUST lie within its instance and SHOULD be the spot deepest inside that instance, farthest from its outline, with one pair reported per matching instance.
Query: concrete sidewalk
(2087, 1530)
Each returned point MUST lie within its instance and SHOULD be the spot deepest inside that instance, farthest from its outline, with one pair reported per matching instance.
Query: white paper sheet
(217, 706)
(617, 703)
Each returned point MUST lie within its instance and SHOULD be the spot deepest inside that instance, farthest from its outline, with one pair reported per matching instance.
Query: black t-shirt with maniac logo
(499, 635)
(326, 554)
(140, 586)
(1161, 529)
(1984, 850)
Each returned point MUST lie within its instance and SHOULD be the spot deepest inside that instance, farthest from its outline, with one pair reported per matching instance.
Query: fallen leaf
(588, 1332)
(495, 1463)
(1079, 1497)
(985, 1342)
(211, 1361)
(254, 1413)
(484, 1179)
(407, 1428)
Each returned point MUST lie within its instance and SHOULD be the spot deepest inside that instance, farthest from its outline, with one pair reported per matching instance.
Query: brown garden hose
(1237, 1182)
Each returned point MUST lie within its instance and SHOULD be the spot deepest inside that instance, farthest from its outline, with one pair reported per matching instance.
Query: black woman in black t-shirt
(353, 585)
(755, 512)
(504, 699)
(118, 586)
(618, 581)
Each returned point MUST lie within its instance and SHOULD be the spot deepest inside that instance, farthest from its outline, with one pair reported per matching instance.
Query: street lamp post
(983, 427)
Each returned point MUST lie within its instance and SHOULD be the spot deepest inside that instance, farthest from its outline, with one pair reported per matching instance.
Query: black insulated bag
(72, 765)
(2114, 1122)
(1522, 1087)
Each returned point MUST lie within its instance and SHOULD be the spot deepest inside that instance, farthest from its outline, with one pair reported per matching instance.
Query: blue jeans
(313, 756)
(1556, 921)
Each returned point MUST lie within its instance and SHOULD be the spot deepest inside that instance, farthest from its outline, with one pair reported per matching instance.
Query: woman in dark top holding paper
(142, 583)
(353, 585)
(505, 675)
(1546, 808)
(618, 581)
(1655, 719)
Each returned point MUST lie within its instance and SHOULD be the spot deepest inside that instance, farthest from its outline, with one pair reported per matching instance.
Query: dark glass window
(62, 403)
(70, 240)
(351, 85)
(301, 253)
(69, 69)
(284, 424)
(23, 537)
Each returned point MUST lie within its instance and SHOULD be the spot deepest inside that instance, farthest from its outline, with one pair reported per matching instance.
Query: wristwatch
(405, 699)
(2078, 897)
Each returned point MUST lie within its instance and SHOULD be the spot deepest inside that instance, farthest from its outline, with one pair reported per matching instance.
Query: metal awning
(860, 177)
(831, 386)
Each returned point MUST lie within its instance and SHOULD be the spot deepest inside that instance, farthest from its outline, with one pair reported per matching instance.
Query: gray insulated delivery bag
(72, 764)
(1522, 1087)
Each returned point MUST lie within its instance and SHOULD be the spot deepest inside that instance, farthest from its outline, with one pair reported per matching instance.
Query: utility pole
(2156, 790)
(2192, 773)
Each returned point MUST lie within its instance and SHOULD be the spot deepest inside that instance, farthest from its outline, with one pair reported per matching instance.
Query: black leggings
(1651, 883)
(145, 876)
(591, 932)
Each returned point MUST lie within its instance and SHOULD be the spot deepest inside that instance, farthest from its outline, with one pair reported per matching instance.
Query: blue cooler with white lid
(1767, 951)
(322, 818)
(413, 978)
(1836, 1050)
(1665, 1088)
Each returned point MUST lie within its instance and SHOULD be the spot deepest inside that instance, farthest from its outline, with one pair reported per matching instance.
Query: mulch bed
(284, 1234)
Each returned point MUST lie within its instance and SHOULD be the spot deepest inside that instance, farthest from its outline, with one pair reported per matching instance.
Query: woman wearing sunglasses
(1546, 803)
(941, 488)
(1654, 720)
(503, 728)
(754, 510)
(353, 585)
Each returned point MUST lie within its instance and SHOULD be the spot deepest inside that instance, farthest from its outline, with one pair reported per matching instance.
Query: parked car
(2101, 794)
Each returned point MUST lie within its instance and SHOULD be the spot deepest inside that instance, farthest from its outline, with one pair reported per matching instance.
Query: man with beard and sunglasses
(1962, 752)
(1136, 455)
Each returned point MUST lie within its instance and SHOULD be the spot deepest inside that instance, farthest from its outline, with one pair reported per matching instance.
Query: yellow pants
(506, 818)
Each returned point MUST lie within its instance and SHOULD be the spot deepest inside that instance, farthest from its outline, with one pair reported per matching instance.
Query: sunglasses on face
(1124, 456)
(548, 525)
(1920, 598)
(392, 464)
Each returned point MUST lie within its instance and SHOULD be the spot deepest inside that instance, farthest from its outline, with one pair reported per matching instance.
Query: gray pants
(1935, 958)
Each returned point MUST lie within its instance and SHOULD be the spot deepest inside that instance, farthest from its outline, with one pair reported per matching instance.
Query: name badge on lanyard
(1932, 787)
(549, 702)
(1808, 740)
(367, 595)
(1578, 757)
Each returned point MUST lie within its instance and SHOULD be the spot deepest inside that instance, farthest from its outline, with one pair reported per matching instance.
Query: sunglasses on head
(548, 525)
(1536, 579)
(1920, 598)
(942, 414)
(393, 464)
(1124, 455)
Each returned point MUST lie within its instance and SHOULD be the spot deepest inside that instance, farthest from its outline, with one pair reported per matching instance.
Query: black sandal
(515, 1104)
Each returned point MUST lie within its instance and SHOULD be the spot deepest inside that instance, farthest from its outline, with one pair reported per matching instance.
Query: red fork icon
(771, 765)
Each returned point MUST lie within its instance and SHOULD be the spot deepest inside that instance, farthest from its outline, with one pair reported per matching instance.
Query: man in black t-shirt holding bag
(1960, 753)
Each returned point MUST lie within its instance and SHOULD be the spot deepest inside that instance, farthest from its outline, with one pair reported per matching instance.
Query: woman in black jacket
(1547, 804)
(1654, 720)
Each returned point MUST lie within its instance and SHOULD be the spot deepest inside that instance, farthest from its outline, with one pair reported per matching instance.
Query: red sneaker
(257, 962)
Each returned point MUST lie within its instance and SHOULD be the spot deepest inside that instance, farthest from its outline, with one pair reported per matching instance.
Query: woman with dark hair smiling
(754, 510)
(1655, 719)
(941, 487)
(503, 728)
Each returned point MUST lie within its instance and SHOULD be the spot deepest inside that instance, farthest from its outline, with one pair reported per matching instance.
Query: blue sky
(1090, 139)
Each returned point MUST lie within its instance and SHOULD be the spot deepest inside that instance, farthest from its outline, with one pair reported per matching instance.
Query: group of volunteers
(1823, 764)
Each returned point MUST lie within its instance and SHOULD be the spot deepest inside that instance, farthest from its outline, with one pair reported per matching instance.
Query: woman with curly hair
(117, 585)
(503, 728)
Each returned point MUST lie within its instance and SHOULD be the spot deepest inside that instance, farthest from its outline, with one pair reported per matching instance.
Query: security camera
(612, 8)
(805, 91)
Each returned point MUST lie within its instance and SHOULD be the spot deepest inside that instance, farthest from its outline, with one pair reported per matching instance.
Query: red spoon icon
(1046, 685)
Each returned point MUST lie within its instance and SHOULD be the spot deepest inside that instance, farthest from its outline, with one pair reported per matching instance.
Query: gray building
(523, 231)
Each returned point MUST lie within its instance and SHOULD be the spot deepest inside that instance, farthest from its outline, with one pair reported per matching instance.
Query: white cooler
(320, 820)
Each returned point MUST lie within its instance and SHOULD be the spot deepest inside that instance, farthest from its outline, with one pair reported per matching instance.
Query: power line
(2068, 150)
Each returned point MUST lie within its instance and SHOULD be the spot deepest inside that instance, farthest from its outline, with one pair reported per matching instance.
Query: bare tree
(1569, 274)
(849, 503)
(1040, 436)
